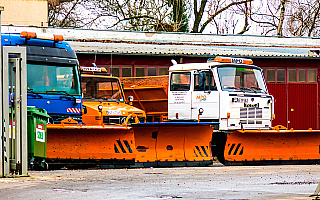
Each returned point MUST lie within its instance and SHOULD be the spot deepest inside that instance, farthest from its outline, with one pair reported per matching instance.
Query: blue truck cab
(53, 76)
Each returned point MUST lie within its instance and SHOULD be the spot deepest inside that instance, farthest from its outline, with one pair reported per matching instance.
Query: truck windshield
(241, 79)
(101, 88)
(52, 78)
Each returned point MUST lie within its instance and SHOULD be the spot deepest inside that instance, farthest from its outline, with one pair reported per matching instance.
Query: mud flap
(172, 142)
(273, 146)
(90, 142)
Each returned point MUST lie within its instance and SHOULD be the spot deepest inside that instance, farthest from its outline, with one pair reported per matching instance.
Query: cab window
(204, 80)
(180, 81)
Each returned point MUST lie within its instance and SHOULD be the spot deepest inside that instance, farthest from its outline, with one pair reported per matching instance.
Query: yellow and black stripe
(201, 151)
(122, 146)
(235, 149)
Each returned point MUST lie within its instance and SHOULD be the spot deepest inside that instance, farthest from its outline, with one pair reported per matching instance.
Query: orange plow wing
(170, 144)
(90, 142)
(273, 146)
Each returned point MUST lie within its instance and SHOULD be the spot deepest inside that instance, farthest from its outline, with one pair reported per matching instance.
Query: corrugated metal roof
(185, 50)
(161, 43)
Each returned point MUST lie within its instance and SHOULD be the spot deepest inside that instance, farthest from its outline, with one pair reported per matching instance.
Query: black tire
(218, 144)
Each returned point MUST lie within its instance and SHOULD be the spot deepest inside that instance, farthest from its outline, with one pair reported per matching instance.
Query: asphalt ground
(217, 182)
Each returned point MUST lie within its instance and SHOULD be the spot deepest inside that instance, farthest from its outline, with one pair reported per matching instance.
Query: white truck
(230, 91)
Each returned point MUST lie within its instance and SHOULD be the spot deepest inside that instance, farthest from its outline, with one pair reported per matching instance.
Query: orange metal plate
(272, 145)
(145, 144)
(198, 143)
(90, 142)
(173, 143)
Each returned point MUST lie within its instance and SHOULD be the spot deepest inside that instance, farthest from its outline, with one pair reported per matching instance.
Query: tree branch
(220, 11)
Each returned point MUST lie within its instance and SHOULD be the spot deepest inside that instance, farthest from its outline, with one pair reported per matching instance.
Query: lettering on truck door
(180, 96)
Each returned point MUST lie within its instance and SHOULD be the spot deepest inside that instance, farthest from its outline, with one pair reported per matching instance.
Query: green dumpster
(37, 132)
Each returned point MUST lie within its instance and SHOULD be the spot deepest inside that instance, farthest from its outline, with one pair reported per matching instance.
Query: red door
(302, 105)
(278, 90)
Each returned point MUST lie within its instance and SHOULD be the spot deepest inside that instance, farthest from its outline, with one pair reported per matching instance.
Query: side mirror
(100, 108)
(202, 80)
(84, 110)
(130, 99)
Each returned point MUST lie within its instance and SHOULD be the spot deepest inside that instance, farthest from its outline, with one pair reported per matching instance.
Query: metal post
(17, 108)
(1, 120)
(23, 104)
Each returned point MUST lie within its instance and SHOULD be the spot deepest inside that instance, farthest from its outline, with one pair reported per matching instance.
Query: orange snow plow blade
(173, 144)
(69, 141)
(273, 147)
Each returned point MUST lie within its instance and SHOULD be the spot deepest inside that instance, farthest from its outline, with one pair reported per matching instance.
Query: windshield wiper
(30, 90)
(245, 88)
(257, 88)
(231, 87)
(57, 92)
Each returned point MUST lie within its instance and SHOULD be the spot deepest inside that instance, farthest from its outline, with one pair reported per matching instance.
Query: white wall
(25, 12)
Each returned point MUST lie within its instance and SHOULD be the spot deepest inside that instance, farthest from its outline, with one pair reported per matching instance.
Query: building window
(271, 75)
(302, 75)
(126, 71)
(163, 71)
(140, 71)
(152, 71)
(115, 71)
(281, 75)
(312, 74)
(292, 75)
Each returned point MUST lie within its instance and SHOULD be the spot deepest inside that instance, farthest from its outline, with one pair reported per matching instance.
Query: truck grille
(251, 113)
(119, 120)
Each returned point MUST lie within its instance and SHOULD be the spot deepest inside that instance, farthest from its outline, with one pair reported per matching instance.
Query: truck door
(205, 97)
(179, 96)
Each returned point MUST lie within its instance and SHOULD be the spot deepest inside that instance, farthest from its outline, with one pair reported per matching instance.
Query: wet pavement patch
(294, 183)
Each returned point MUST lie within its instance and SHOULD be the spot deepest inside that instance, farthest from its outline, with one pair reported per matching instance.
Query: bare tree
(246, 11)
(139, 15)
(70, 13)
(235, 20)
(277, 17)
(271, 16)
(288, 17)
(305, 18)
(215, 8)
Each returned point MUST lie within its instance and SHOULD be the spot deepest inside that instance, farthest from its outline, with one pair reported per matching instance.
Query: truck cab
(231, 91)
(104, 100)
(53, 76)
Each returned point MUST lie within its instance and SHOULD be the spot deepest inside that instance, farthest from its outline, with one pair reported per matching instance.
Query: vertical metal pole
(12, 133)
(5, 114)
(18, 121)
(23, 101)
(1, 120)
